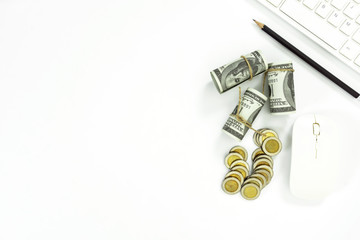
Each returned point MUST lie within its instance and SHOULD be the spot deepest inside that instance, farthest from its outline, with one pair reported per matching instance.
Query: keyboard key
(350, 50)
(348, 27)
(313, 23)
(352, 10)
(356, 36)
(323, 10)
(276, 3)
(311, 3)
(336, 19)
(339, 4)
(357, 61)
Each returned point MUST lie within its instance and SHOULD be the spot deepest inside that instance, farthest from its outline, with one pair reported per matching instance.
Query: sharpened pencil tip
(261, 25)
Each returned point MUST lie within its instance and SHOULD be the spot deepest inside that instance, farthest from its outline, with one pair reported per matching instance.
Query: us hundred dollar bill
(236, 72)
(282, 91)
(251, 104)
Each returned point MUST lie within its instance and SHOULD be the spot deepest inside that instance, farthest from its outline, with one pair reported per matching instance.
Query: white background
(111, 125)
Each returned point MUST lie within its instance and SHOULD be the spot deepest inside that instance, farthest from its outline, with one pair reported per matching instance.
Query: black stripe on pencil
(307, 59)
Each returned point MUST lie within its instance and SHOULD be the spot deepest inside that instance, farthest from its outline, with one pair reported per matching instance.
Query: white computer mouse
(315, 156)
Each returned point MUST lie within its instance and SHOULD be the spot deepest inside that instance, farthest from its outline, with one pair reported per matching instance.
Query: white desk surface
(111, 125)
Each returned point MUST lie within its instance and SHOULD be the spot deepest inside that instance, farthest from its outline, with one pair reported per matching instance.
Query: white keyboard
(333, 24)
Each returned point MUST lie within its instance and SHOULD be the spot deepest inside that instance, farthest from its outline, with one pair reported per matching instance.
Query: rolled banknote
(251, 104)
(281, 85)
(236, 72)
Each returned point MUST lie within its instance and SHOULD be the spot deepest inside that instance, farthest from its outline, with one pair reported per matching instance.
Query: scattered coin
(231, 157)
(263, 156)
(240, 163)
(257, 135)
(262, 161)
(257, 152)
(267, 133)
(271, 146)
(264, 167)
(265, 174)
(241, 169)
(231, 185)
(241, 150)
(250, 191)
(253, 180)
(261, 178)
(237, 175)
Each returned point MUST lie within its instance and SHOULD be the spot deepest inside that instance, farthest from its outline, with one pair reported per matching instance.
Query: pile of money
(235, 161)
(251, 104)
(280, 78)
(240, 178)
(236, 72)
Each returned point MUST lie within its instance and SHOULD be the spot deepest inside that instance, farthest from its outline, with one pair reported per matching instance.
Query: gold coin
(264, 167)
(259, 136)
(256, 153)
(250, 191)
(231, 185)
(268, 133)
(257, 141)
(255, 137)
(265, 174)
(253, 180)
(241, 169)
(263, 156)
(231, 157)
(241, 150)
(271, 146)
(237, 175)
(260, 177)
(263, 161)
(240, 163)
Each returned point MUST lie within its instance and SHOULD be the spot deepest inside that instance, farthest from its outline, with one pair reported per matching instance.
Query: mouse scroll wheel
(316, 129)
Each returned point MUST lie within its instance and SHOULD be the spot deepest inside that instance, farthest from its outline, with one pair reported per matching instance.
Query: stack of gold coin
(238, 178)
(260, 177)
(268, 140)
(265, 133)
(262, 168)
(263, 165)
(256, 153)
(235, 160)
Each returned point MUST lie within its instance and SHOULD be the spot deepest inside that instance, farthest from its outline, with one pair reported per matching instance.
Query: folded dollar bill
(236, 72)
(281, 86)
(251, 104)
